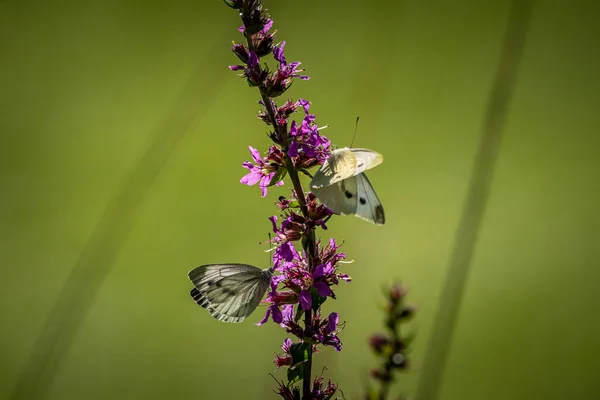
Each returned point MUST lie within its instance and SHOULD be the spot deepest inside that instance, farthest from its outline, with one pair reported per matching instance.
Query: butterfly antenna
(355, 129)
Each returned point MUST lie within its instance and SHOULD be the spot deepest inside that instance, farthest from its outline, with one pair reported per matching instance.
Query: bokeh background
(122, 134)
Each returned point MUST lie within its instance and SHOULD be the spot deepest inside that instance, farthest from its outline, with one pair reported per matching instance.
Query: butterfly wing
(368, 206)
(339, 166)
(366, 159)
(353, 196)
(340, 197)
(230, 292)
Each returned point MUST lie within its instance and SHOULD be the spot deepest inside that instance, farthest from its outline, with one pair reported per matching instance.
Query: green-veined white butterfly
(230, 292)
(342, 185)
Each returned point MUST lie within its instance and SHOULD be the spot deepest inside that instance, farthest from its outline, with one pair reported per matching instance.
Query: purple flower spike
(304, 275)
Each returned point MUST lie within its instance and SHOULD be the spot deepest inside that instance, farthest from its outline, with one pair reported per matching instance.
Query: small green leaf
(279, 175)
(305, 172)
(317, 300)
(299, 353)
(294, 204)
(304, 241)
(295, 374)
(299, 313)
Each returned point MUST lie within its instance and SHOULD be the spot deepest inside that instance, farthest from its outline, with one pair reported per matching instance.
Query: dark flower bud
(287, 393)
(396, 293)
(274, 87)
(264, 46)
(255, 75)
(383, 376)
(378, 342)
(284, 112)
(241, 52)
(317, 211)
(281, 361)
(235, 4)
(253, 16)
(406, 313)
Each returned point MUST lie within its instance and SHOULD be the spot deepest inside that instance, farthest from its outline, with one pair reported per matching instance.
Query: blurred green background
(122, 137)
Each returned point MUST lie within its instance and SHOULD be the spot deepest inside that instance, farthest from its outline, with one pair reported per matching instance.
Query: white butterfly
(230, 292)
(342, 185)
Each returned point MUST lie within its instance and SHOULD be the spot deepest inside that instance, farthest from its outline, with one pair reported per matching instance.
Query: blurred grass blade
(466, 235)
(87, 275)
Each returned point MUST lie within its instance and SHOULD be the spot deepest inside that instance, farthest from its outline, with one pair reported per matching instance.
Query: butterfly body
(343, 164)
(342, 185)
(229, 292)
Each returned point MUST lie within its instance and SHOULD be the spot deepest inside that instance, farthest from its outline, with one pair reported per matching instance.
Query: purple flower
(327, 333)
(275, 313)
(281, 79)
(264, 170)
(286, 358)
(290, 230)
(252, 70)
(308, 146)
(320, 393)
(285, 70)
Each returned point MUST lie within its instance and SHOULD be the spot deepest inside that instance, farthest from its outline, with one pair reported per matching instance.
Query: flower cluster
(318, 392)
(303, 144)
(297, 284)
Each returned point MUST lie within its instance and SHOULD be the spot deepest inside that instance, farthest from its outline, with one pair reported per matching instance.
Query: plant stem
(396, 347)
(310, 242)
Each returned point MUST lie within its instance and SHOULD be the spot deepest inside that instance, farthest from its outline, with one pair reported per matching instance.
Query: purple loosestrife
(306, 270)
(391, 348)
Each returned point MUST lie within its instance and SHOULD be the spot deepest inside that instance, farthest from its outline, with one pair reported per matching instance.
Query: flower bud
(378, 342)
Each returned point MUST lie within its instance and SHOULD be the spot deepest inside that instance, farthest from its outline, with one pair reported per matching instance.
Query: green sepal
(299, 313)
(304, 241)
(299, 352)
(229, 3)
(295, 374)
(279, 175)
(305, 172)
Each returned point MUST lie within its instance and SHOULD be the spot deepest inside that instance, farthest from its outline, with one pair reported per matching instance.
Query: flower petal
(332, 323)
(323, 289)
(266, 317)
(255, 154)
(251, 179)
(286, 251)
(273, 220)
(293, 149)
(276, 314)
(305, 300)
